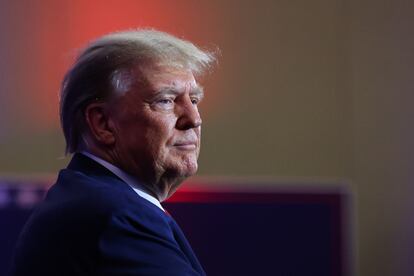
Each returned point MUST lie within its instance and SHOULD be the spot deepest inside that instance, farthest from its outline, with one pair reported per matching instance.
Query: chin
(176, 176)
(186, 166)
(190, 169)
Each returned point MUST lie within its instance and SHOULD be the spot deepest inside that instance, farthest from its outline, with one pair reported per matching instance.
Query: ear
(99, 125)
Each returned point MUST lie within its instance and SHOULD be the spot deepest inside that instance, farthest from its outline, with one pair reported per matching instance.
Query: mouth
(186, 146)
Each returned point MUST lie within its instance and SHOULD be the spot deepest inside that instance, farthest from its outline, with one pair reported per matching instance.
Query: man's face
(157, 128)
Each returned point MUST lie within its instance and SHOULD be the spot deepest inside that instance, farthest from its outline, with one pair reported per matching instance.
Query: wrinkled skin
(156, 128)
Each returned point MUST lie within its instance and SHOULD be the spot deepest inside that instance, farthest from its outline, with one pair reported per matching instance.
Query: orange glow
(64, 26)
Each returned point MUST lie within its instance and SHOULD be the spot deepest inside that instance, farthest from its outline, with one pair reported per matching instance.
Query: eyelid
(162, 97)
(162, 102)
(171, 95)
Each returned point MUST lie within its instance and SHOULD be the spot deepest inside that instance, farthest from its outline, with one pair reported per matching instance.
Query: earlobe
(99, 124)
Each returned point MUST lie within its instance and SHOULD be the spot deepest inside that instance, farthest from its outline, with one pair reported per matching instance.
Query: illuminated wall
(316, 89)
(382, 60)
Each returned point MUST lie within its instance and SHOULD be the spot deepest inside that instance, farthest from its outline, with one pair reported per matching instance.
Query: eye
(195, 101)
(165, 101)
(164, 104)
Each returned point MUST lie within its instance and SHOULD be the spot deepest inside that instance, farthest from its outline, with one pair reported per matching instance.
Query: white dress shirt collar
(130, 180)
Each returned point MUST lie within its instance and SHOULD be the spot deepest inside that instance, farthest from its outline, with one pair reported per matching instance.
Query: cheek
(160, 133)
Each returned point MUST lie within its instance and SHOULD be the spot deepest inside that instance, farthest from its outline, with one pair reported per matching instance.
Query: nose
(188, 115)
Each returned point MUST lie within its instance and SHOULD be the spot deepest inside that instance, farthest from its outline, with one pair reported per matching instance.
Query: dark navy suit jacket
(93, 223)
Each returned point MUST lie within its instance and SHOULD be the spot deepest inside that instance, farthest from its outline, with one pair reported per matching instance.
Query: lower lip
(186, 147)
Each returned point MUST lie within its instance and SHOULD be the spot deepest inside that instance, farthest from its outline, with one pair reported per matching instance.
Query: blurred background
(305, 91)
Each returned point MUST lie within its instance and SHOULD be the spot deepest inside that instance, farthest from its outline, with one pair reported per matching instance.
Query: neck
(157, 182)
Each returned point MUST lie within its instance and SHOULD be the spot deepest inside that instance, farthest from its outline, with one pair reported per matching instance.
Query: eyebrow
(198, 91)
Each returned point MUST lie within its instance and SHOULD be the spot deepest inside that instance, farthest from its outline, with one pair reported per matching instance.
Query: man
(129, 113)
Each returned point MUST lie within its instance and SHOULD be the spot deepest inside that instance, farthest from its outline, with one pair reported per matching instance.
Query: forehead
(166, 77)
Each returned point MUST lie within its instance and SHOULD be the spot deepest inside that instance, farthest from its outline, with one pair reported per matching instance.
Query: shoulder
(96, 195)
(80, 207)
(80, 213)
